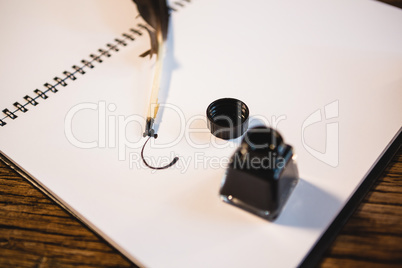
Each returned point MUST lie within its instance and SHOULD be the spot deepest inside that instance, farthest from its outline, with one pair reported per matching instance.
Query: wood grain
(36, 232)
(397, 3)
(373, 235)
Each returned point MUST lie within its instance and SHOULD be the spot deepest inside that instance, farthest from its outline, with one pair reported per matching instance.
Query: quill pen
(156, 14)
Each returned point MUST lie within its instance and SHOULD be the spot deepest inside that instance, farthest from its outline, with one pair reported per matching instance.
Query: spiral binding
(81, 69)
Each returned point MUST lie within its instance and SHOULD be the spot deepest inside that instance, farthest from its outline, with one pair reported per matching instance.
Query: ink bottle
(261, 175)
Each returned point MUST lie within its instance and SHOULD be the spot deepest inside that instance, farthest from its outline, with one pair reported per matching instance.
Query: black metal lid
(227, 118)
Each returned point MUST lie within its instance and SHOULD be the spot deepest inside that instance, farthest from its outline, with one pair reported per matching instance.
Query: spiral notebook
(74, 93)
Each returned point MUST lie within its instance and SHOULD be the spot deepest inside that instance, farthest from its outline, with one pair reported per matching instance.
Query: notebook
(325, 74)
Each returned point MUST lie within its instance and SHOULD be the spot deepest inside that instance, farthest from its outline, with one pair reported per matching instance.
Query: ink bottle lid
(227, 118)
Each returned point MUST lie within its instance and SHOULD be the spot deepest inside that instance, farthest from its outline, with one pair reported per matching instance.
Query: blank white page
(326, 74)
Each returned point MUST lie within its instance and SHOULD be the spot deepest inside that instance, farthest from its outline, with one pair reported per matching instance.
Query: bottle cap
(227, 118)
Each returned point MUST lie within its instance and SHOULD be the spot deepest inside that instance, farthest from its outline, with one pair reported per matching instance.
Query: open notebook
(326, 74)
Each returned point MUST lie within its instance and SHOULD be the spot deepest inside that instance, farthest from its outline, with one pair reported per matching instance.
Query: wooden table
(36, 232)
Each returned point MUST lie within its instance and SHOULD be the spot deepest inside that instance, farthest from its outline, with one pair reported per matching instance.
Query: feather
(156, 14)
